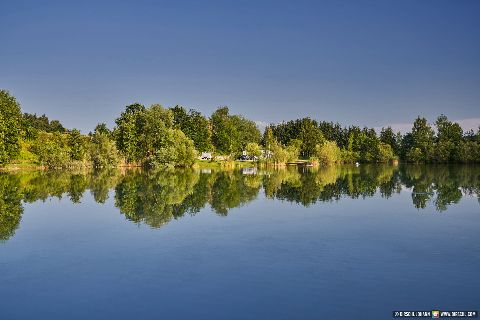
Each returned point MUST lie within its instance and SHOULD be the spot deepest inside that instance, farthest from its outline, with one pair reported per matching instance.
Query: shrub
(384, 152)
(178, 151)
(52, 150)
(103, 152)
(328, 153)
(253, 149)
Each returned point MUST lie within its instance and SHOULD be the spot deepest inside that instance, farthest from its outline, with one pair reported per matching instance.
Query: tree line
(156, 136)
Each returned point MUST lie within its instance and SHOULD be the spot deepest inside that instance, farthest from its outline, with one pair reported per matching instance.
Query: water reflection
(156, 197)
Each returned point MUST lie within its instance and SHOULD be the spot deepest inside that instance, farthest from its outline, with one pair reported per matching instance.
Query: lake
(331, 243)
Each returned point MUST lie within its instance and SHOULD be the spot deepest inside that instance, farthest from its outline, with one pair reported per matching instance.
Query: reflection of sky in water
(274, 245)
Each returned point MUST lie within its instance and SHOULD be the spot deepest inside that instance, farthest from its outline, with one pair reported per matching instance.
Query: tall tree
(195, 126)
(449, 140)
(225, 136)
(423, 141)
(128, 130)
(387, 136)
(10, 127)
(103, 129)
(103, 152)
(311, 136)
(77, 145)
(247, 131)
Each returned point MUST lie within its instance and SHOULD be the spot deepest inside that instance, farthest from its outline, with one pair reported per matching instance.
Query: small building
(206, 156)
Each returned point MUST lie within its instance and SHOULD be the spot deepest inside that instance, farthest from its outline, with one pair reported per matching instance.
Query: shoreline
(221, 165)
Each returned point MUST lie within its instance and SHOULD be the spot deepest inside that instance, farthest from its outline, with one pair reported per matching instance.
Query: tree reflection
(157, 197)
(10, 205)
(151, 197)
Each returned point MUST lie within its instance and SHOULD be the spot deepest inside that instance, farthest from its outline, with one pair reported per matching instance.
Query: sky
(368, 63)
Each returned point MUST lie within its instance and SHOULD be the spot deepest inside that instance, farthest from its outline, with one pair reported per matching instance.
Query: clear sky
(356, 62)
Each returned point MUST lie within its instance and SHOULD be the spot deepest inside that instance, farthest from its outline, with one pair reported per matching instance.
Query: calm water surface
(335, 243)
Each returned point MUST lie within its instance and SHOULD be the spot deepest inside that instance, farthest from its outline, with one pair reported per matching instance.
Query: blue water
(268, 258)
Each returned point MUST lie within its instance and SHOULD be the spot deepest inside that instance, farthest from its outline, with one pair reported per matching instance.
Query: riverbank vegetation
(174, 137)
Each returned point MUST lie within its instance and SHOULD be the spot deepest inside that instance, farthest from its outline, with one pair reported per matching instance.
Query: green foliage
(328, 153)
(141, 132)
(423, 140)
(305, 130)
(102, 128)
(247, 132)
(10, 205)
(388, 137)
(369, 145)
(467, 151)
(384, 152)
(77, 145)
(347, 154)
(155, 123)
(103, 152)
(293, 149)
(279, 155)
(268, 139)
(225, 136)
(32, 124)
(449, 140)
(195, 126)
(253, 149)
(231, 134)
(155, 197)
(144, 136)
(52, 150)
(178, 151)
(10, 127)
(129, 130)
(415, 155)
(311, 136)
(276, 153)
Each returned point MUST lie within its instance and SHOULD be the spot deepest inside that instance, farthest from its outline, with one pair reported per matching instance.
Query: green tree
(102, 128)
(311, 136)
(278, 154)
(348, 155)
(422, 141)
(387, 136)
(268, 138)
(52, 150)
(293, 149)
(247, 132)
(128, 131)
(225, 136)
(253, 149)
(195, 126)
(449, 139)
(415, 155)
(77, 145)
(178, 150)
(33, 123)
(154, 124)
(328, 153)
(10, 127)
(384, 152)
(11, 209)
(103, 152)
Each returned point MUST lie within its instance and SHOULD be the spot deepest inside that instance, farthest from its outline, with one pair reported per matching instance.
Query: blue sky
(356, 62)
